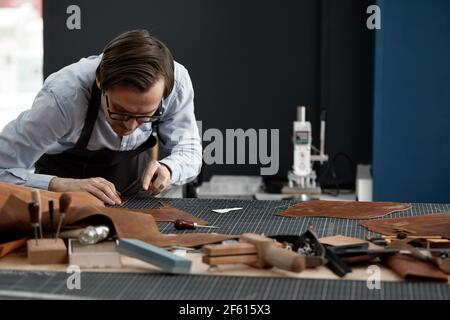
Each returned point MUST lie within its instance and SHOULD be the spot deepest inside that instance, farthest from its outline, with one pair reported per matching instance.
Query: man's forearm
(22, 176)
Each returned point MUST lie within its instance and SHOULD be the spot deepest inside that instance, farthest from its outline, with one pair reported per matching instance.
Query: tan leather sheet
(24, 193)
(167, 213)
(343, 209)
(424, 225)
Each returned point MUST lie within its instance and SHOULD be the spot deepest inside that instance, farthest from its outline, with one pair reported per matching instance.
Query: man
(92, 125)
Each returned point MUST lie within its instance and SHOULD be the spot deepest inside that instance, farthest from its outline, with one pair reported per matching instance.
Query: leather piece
(135, 225)
(10, 246)
(24, 193)
(340, 240)
(127, 224)
(167, 213)
(424, 225)
(411, 268)
(343, 209)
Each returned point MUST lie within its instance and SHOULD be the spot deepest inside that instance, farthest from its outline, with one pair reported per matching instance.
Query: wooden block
(46, 251)
(243, 258)
(215, 250)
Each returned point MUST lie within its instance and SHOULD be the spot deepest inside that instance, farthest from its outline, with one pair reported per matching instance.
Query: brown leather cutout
(134, 225)
(343, 209)
(128, 224)
(411, 268)
(167, 213)
(424, 225)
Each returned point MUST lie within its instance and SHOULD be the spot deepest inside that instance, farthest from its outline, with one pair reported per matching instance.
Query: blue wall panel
(411, 133)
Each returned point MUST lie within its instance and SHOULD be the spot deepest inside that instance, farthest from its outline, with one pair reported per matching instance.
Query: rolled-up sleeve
(24, 140)
(180, 141)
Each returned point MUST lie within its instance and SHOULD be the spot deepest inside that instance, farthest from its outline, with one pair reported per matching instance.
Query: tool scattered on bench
(51, 214)
(64, 203)
(307, 244)
(336, 258)
(33, 211)
(315, 253)
(36, 198)
(87, 236)
(386, 240)
(255, 250)
(189, 225)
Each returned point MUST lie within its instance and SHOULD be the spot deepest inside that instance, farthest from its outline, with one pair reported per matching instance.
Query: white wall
(21, 58)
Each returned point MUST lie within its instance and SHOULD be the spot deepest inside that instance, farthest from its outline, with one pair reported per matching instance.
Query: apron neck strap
(91, 117)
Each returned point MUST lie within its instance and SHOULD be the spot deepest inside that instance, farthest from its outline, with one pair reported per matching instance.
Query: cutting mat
(256, 216)
(52, 285)
(260, 216)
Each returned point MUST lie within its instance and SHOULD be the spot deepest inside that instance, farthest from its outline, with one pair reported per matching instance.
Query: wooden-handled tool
(189, 225)
(255, 250)
(33, 211)
(64, 203)
(36, 198)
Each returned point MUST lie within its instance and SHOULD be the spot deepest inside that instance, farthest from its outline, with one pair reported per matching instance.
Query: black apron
(123, 168)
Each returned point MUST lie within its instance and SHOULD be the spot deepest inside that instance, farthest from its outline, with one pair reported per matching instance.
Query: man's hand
(99, 187)
(156, 177)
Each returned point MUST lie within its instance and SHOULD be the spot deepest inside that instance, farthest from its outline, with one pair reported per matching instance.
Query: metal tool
(64, 203)
(307, 244)
(317, 254)
(36, 198)
(33, 211)
(93, 235)
(187, 225)
(302, 178)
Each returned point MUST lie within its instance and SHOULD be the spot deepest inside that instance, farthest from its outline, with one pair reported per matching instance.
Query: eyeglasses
(140, 119)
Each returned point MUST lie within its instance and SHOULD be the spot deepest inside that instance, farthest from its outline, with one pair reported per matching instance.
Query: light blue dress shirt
(55, 121)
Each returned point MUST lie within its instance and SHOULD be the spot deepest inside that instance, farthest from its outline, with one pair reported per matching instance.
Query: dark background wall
(252, 62)
(412, 102)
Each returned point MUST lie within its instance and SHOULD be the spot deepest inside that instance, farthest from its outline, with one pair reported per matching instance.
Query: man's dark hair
(136, 59)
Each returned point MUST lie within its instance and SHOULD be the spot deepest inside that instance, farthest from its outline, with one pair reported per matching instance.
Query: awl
(185, 224)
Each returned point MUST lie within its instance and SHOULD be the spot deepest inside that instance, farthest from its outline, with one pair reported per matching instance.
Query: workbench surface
(140, 281)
